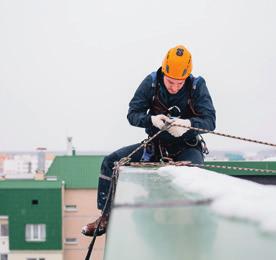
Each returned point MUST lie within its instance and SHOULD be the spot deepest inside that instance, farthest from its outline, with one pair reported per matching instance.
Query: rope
(188, 163)
(234, 168)
(127, 159)
(226, 135)
(110, 195)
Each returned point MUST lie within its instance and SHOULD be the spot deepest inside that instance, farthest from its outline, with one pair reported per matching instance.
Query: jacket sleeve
(203, 105)
(140, 104)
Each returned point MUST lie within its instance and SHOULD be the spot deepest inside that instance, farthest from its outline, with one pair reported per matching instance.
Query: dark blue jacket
(140, 116)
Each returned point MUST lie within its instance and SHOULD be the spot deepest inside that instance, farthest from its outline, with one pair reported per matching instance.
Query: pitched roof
(78, 172)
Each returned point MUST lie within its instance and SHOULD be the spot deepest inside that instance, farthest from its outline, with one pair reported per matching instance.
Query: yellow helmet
(177, 64)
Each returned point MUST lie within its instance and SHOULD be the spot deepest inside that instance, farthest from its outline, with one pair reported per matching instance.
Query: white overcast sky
(70, 68)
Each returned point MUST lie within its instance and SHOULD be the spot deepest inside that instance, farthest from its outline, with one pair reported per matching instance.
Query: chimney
(74, 151)
(69, 146)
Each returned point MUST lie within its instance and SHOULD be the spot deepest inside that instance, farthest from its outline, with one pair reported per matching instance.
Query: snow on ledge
(233, 197)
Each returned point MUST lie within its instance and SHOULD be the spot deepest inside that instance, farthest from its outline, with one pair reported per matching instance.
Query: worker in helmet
(169, 95)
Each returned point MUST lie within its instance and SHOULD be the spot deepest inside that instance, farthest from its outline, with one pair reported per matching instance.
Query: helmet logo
(184, 72)
(179, 52)
(167, 68)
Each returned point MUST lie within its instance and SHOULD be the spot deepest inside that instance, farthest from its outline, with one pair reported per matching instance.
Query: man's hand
(178, 131)
(159, 120)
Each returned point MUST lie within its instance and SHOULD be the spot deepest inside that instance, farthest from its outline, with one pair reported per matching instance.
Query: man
(170, 92)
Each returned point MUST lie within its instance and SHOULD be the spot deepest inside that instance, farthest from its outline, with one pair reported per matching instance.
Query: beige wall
(4, 220)
(4, 241)
(73, 221)
(23, 255)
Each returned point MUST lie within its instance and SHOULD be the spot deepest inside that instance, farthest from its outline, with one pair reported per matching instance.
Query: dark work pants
(193, 154)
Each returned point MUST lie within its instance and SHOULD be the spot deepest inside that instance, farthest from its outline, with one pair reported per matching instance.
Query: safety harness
(158, 150)
(158, 106)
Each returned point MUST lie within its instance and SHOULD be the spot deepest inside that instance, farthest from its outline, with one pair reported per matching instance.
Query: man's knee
(108, 163)
(193, 155)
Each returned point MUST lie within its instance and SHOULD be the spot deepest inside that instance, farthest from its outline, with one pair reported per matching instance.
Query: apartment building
(80, 177)
(24, 165)
(31, 220)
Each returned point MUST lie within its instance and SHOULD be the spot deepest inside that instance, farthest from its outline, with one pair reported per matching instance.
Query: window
(35, 232)
(4, 230)
(51, 178)
(4, 257)
(71, 240)
(70, 207)
(34, 202)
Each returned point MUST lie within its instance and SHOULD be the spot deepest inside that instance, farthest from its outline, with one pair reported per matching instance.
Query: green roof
(78, 172)
(29, 184)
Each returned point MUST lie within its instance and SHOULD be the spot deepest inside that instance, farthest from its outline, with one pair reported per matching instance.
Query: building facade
(31, 220)
(80, 177)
